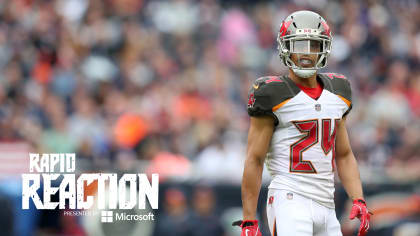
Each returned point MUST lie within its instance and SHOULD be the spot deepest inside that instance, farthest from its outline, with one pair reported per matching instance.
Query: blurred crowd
(156, 82)
(162, 86)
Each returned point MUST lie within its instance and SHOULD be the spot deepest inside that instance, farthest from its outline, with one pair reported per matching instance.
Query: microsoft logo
(107, 216)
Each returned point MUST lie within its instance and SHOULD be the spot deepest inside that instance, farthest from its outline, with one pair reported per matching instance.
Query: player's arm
(259, 136)
(346, 163)
(350, 177)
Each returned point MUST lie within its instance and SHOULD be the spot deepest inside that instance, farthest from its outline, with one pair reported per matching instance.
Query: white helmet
(304, 28)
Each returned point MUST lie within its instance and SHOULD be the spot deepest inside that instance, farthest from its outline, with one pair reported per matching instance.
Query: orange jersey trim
(276, 107)
(345, 100)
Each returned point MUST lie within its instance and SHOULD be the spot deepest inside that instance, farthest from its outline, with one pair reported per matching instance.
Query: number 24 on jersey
(311, 129)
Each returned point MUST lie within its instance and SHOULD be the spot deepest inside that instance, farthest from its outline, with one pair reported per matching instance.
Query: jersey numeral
(310, 128)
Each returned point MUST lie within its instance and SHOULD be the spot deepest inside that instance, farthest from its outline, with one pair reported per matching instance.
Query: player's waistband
(323, 193)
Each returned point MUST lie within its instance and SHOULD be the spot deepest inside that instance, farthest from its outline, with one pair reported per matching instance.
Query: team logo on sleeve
(251, 100)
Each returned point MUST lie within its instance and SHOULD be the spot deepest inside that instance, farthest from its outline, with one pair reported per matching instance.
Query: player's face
(304, 52)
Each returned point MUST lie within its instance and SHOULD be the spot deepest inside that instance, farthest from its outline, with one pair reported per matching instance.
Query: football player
(298, 128)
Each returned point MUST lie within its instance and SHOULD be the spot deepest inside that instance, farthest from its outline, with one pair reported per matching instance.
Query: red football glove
(360, 211)
(249, 227)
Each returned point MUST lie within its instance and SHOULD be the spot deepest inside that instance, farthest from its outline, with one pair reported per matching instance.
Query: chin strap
(304, 73)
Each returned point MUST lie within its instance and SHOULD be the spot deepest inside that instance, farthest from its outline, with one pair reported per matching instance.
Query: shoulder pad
(266, 93)
(337, 84)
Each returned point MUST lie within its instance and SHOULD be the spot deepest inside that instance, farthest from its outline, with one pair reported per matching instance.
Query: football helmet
(304, 33)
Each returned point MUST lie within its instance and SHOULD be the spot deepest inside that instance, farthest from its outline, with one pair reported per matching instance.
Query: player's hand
(360, 211)
(249, 227)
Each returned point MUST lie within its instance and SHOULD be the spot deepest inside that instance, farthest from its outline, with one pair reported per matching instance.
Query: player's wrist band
(245, 223)
(359, 200)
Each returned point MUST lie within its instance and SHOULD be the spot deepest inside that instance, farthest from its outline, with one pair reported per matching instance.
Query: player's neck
(310, 82)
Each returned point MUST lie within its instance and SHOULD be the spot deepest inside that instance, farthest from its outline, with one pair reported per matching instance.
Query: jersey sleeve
(347, 96)
(343, 88)
(259, 100)
(265, 94)
(339, 85)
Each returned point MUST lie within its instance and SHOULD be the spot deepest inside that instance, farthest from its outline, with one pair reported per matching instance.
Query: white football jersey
(301, 154)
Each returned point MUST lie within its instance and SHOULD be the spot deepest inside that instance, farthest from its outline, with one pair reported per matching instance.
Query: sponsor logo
(107, 216)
